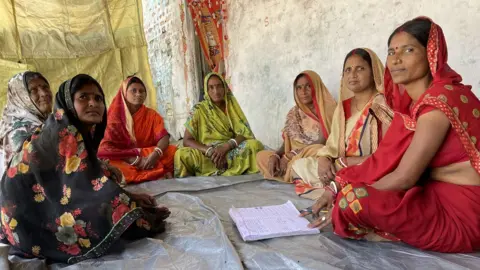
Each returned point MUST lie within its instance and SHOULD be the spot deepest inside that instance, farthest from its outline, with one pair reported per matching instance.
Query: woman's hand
(143, 200)
(283, 166)
(219, 155)
(274, 165)
(116, 174)
(326, 170)
(325, 201)
(151, 161)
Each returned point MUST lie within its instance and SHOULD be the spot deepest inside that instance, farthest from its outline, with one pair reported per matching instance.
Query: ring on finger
(324, 218)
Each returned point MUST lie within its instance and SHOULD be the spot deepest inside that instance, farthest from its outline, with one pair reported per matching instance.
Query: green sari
(210, 126)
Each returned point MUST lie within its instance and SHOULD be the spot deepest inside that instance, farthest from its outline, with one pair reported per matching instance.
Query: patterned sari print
(20, 117)
(57, 188)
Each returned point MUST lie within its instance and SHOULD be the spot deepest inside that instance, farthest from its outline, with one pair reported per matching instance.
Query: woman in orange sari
(422, 184)
(136, 140)
(306, 129)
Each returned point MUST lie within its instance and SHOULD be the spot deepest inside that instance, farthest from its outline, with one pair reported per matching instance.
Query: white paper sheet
(263, 222)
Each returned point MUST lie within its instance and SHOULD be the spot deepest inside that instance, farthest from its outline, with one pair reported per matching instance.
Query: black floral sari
(58, 200)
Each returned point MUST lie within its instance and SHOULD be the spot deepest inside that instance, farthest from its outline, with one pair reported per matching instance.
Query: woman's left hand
(219, 153)
(143, 200)
(116, 173)
(151, 161)
(325, 201)
(283, 166)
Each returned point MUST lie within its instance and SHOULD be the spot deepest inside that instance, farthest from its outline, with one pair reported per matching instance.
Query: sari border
(462, 133)
(114, 234)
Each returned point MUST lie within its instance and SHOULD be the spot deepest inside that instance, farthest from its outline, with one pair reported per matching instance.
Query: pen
(309, 210)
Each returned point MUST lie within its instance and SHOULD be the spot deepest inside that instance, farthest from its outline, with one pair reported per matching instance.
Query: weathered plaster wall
(271, 41)
(171, 53)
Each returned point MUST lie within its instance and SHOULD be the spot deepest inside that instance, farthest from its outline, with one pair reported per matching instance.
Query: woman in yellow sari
(218, 139)
(306, 129)
(359, 122)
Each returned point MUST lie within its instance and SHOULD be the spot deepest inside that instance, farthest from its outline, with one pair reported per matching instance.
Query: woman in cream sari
(306, 129)
(358, 124)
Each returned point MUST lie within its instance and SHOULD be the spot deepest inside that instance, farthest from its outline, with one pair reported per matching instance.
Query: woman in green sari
(218, 139)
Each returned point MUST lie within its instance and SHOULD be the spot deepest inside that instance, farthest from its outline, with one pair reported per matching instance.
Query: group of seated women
(396, 160)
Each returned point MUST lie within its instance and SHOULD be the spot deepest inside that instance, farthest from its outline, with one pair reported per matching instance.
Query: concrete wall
(170, 36)
(271, 41)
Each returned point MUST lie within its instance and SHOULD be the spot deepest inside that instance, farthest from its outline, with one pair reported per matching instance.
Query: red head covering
(445, 93)
(119, 140)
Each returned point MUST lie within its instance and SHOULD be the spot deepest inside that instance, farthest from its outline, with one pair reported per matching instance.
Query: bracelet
(208, 151)
(343, 163)
(333, 186)
(159, 151)
(337, 162)
(294, 152)
(331, 190)
(135, 162)
(235, 142)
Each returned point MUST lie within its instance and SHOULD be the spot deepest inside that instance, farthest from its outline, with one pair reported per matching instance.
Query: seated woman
(136, 140)
(57, 201)
(218, 139)
(29, 102)
(306, 129)
(357, 124)
(422, 184)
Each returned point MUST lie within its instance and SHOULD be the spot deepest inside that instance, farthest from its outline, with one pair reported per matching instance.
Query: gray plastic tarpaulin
(201, 235)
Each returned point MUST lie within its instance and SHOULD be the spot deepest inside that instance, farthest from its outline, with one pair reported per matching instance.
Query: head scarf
(20, 116)
(120, 141)
(345, 93)
(58, 189)
(296, 128)
(64, 102)
(445, 93)
(209, 125)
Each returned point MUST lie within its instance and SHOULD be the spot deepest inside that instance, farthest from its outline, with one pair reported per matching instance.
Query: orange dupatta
(122, 138)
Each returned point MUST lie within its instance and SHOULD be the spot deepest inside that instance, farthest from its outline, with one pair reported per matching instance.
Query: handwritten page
(256, 223)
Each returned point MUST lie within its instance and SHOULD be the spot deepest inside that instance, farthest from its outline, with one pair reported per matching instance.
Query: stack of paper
(265, 222)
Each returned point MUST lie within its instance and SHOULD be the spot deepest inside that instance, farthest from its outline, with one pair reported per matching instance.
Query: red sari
(134, 135)
(434, 216)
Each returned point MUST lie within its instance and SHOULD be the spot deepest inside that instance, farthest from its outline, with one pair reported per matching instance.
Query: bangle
(344, 164)
(337, 162)
(331, 190)
(294, 152)
(235, 143)
(333, 185)
(208, 151)
(135, 162)
(159, 151)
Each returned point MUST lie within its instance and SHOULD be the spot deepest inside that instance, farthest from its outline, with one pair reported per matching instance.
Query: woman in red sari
(136, 140)
(422, 185)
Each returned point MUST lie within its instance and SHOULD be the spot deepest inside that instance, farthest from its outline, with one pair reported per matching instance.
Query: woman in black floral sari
(58, 201)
